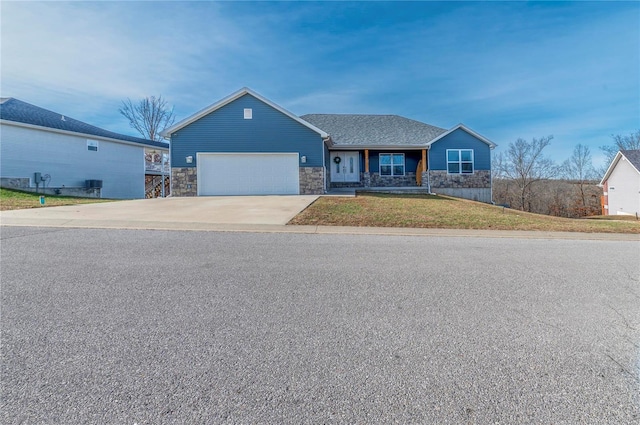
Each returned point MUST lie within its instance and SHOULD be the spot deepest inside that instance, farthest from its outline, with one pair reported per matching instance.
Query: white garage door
(248, 174)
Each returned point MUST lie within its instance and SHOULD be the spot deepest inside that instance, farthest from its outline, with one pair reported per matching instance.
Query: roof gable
(232, 97)
(631, 155)
(468, 131)
(374, 130)
(17, 111)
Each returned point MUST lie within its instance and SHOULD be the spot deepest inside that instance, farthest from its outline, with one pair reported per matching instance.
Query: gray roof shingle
(633, 155)
(374, 130)
(12, 109)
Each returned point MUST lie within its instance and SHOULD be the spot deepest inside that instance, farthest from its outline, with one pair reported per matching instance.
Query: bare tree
(149, 116)
(579, 169)
(525, 164)
(632, 141)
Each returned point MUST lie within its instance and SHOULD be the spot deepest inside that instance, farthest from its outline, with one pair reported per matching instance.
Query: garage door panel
(248, 174)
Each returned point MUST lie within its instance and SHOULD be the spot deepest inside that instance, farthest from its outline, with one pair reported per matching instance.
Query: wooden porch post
(424, 160)
(366, 160)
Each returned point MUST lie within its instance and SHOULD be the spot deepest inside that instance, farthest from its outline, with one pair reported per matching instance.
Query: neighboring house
(621, 184)
(50, 152)
(246, 144)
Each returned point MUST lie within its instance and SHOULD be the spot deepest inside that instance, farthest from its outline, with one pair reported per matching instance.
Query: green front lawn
(428, 211)
(17, 200)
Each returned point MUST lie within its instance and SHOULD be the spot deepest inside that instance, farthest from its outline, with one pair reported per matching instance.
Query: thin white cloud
(102, 51)
(506, 69)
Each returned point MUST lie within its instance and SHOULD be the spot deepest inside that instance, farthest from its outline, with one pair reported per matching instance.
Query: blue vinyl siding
(460, 139)
(226, 130)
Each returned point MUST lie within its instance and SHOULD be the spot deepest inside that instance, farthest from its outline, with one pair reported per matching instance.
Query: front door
(345, 167)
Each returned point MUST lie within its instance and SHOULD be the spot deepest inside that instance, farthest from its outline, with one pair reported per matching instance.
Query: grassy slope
(16, 200)
(385, 210)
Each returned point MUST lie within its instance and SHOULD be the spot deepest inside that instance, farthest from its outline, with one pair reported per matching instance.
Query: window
(392, 164)
(248, 113)
(460, 161)
(92, 145)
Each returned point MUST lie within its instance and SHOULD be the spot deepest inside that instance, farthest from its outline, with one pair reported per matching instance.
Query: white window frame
(248, 113)
(92, 145)
(460, 161)
(404, 165)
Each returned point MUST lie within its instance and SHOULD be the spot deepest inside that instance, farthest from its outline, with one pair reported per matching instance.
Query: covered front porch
(368, 168)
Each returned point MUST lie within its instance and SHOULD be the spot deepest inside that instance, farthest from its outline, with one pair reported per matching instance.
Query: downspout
(429, 173)
(325, 148)
(491, 177)
(170, 173)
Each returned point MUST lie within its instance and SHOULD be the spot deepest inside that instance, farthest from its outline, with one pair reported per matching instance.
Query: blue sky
(507, 70)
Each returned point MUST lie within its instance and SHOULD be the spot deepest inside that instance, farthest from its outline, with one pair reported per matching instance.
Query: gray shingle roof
(633, 155)
(12, 109)
(374, 130)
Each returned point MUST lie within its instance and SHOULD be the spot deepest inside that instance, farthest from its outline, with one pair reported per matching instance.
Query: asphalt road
(127, 326)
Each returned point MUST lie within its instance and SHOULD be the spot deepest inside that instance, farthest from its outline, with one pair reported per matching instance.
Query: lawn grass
(429, 211)
(17, 200)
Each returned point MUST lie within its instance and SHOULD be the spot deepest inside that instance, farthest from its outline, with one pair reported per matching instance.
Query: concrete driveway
(223, 210)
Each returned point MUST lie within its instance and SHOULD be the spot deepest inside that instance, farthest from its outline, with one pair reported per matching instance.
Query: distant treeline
(560, 198)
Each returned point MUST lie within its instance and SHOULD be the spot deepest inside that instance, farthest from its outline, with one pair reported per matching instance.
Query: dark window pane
(467, 167)
(385, 170)
(466, 155)
(398, 170)
(454, 167)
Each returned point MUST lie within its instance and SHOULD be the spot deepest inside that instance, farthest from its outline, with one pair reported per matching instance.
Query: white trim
(404, 164)
(378, 147)
(613, 164)
(245, 90)
(460, 161)
(81, 135)
(468, 130)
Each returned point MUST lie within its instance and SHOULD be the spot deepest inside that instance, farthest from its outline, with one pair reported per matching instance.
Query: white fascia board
(615, 161)
(245, 90)
(468, 130)
(83, 135)
(611, 167)
(378, 147)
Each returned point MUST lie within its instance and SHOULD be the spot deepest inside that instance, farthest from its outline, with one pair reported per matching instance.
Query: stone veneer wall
(311, 180)
(440, 179)
(408, 180)
(476, 186)
(376, 180)
(22, 183)
(15, 182)
(184, 181)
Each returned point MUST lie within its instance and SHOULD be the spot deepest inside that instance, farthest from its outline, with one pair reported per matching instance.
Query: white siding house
(68, 154)
(621, 184)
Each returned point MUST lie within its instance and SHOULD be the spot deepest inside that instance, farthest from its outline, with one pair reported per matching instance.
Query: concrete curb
(326, 230)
